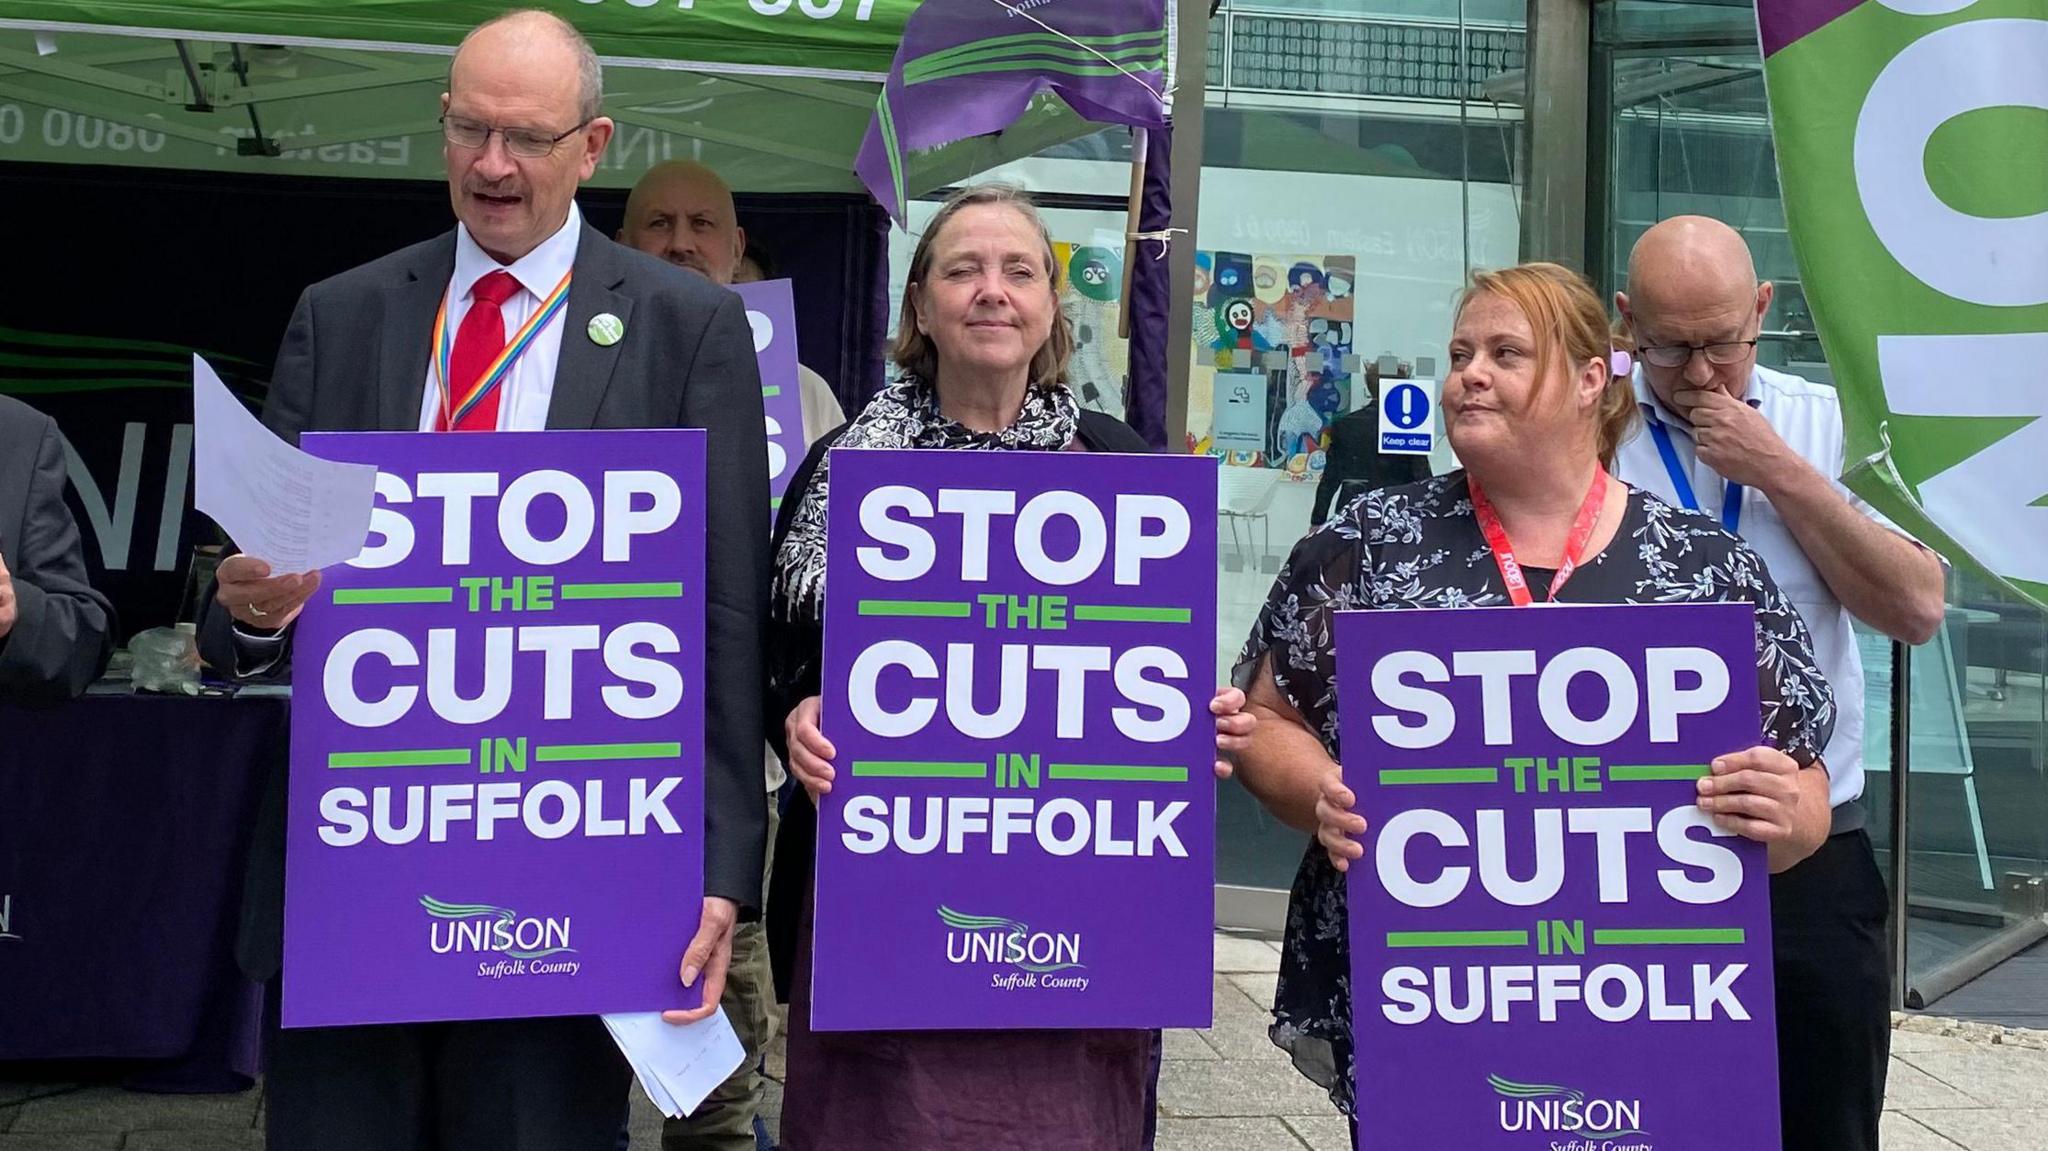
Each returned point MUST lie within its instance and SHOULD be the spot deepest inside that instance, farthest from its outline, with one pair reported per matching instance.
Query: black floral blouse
(1419, 546)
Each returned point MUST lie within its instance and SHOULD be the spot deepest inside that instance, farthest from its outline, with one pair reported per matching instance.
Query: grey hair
(589, 73)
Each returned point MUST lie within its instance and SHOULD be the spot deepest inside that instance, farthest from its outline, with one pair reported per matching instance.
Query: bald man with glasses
(1759, 450)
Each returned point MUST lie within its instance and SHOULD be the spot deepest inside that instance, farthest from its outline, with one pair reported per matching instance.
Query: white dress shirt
(530, 385)
(1808, 417)
(525, 392)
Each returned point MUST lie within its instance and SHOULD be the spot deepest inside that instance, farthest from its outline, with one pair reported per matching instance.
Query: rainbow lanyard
(444, 348)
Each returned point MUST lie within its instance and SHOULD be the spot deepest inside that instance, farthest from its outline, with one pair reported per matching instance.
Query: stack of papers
(677, 1065)
(294, 511)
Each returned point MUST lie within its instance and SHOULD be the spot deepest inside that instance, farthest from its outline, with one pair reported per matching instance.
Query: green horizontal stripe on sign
(417, 757)
(622, 591)
(1099, 614)
(1457, 939)
(1116, 773)
(917, 608)
(1401, 775)
(389, 595)
(1621, 936)
(1648, 773)
(770, 391)
(585, 752)
(907, 769)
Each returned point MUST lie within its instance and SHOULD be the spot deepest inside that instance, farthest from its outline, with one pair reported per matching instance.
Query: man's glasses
(1679, 355)
(530, 143)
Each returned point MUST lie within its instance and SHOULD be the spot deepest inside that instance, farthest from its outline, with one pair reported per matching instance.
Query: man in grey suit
(54, 627)
(640, 344)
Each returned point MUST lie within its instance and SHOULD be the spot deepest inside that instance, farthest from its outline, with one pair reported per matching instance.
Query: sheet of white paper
(677, 1066)
(293, 511)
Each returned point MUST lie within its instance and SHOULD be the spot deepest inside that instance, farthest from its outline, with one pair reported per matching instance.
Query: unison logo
(453, 928)
(7, 918)
(1549, 1108)
(1000, 942)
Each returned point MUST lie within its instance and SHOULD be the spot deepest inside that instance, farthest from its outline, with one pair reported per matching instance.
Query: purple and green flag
(1912, 142)
(971, 68)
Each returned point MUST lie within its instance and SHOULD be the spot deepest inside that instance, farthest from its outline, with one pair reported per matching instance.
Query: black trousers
(1834, 996)
(501, 1085)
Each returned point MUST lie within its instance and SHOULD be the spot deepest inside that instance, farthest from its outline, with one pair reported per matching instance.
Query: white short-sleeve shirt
(1808, 417)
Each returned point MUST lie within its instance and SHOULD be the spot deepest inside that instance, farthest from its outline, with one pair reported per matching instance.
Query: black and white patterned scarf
(905, 415)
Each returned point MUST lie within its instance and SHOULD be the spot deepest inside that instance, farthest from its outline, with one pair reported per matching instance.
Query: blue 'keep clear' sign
(1408, 417)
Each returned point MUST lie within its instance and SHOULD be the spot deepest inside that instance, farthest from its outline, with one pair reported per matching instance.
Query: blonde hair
(914, 352)
(1568, 321)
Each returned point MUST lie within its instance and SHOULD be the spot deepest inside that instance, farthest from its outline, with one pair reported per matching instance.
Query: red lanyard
(1574, 548)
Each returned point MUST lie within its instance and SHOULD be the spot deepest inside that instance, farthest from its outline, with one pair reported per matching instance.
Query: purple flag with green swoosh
(971, 67)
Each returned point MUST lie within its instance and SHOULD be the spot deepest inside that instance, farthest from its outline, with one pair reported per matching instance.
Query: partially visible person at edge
(682, 212)
(1535, 404)
(1758, 450)
(983, 349)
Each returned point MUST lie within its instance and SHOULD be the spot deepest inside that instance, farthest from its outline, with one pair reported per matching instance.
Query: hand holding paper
(677, 1065)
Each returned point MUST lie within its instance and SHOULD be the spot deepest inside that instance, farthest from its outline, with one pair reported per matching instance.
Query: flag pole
(1132, 213)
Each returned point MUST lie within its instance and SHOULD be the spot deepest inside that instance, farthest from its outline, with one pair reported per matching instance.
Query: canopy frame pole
(198, 102)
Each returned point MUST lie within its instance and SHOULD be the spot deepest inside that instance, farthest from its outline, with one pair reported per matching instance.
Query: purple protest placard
(497, 788)
(1019, 658)
(771, 312)
(1552, 948)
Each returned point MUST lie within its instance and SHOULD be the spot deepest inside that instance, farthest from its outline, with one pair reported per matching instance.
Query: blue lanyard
(1731, 500)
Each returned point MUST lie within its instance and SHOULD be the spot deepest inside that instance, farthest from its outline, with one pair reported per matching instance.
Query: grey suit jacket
(59, 641)
(355, 359)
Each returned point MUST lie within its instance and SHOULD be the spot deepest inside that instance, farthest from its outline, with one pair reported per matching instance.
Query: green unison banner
(830, 38)
(1912, 141)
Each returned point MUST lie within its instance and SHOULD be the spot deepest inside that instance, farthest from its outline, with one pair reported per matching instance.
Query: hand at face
(1733, 438)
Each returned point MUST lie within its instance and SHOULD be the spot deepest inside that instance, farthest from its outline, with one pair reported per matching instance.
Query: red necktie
(477, 344)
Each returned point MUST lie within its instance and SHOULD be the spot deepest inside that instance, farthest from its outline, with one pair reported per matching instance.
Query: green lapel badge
(606, 329)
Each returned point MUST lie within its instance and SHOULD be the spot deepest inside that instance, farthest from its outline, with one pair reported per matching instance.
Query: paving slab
(1907, 1088)
(1238, 954)
(113, 1109)
(1996, 1075)
(1901, 1132)
(1990, 1129)
(1192, 1089)
(1226, 1135)
(1184, 1044)
(1323, 1133)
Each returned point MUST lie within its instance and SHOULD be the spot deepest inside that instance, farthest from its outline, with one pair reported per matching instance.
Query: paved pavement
(1954, 1085)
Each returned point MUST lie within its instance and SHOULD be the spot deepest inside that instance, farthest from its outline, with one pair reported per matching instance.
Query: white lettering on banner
(557, 645)
(1071, 665)
(1436, 720)
(905, 551)
(351, 816)
(1994, 261)
(1990, 502)
(1611, 992)
(1610, 828)
(623, 494)
(1061, 827)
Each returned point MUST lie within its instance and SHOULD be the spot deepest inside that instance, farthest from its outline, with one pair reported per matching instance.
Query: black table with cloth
(125, 826)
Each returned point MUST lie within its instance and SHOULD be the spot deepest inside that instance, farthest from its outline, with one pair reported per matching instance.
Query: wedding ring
(258, 612)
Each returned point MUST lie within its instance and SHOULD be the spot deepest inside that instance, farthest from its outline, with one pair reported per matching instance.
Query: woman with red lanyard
(1536, 401)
